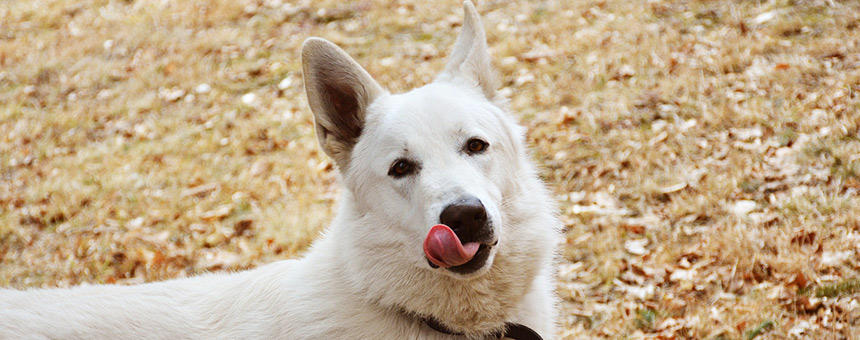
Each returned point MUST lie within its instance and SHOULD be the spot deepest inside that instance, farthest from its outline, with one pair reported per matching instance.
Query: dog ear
(339, 91)
(470, 57)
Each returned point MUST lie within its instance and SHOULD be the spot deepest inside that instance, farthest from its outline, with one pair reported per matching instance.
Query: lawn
(705, 154)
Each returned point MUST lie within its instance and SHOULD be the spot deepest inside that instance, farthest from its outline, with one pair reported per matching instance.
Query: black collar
(512, 330)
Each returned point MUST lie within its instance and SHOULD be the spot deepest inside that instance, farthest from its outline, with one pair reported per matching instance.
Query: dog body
(443, 154)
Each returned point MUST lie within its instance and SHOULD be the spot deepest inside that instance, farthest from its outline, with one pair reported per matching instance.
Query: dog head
(430, 168)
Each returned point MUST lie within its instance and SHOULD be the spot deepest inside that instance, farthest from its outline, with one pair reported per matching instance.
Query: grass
(762, 328)
(846, 287)
(725, 133)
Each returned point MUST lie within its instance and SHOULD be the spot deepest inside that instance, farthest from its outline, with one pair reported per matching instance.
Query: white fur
(367, 277)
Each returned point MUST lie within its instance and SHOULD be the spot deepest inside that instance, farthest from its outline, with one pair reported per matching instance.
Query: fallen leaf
(804, 238)
(834, 258)
(682, 275)
(634, 228)
(199, 191)
(764, 17)
(800, 328)
(743, 207)
(636, 247)
(218, 213)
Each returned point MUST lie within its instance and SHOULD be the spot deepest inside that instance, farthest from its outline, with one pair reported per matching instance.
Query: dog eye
(401, 167)
(476, 146)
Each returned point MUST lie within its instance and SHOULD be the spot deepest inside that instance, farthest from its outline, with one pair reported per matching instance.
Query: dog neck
(511, 330)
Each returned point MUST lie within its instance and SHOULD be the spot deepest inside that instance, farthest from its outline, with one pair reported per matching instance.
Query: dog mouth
(443, 248)
(477, 262)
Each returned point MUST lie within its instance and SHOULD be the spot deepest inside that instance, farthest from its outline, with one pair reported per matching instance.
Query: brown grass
(706, 154)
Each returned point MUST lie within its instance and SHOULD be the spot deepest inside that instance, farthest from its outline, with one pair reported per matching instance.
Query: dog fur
(367, 277)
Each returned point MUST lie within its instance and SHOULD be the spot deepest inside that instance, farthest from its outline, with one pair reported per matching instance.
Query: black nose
(468, 218)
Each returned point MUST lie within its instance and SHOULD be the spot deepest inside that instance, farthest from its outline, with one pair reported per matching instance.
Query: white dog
(444, 230)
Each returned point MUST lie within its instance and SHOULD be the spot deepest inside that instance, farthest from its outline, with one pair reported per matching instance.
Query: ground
(705, 154)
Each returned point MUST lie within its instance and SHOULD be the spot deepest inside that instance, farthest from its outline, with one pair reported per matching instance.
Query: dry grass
(706, 153)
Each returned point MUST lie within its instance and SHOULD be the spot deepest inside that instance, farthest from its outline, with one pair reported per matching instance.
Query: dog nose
(467, 217)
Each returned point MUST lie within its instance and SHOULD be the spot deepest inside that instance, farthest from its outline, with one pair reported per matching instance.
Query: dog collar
(512, 330)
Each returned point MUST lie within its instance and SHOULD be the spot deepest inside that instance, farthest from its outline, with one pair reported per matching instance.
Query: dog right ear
(339, 91)
(470, 57)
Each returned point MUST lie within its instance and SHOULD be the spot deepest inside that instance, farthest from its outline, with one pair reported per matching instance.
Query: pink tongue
(444, 249)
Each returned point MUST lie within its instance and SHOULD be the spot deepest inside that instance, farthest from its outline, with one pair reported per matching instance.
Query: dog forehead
(432, 111)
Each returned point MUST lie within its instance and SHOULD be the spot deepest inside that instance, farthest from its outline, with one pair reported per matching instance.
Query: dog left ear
(470, 58)
(339, 92)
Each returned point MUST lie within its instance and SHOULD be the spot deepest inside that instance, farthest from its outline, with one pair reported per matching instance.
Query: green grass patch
(762, 328)
(845, 287)
(645, 318)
